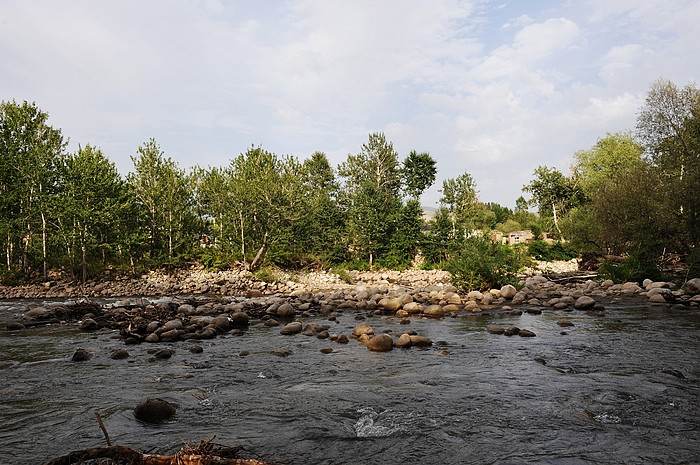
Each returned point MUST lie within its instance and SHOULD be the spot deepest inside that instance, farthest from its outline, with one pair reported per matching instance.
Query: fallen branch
(203, 454)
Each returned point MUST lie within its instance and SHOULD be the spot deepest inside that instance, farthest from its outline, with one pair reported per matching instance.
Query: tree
(668, 126)
(371, 193)
(598, 166)
(163, 191)
(29, 154)
(91, 192)
(554, 194)
(459, 197)
(419, 173)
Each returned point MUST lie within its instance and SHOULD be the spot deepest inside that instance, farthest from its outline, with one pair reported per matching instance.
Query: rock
(564, 322)
(153, 337)
(403, 341)
(196, 349)
(88, 324)
(420, 341)
(495, 329)
(154, 410)
(584, 303)
(38, 313)
(81, 355)
(380, 343)
(119, 354)
(271, 322)
(326, 350)
(152, 326)
(656, 285)
(434, 311)
(511, 331)
(413, 307)
(221, 323)
(291, 328)
(508, 291)
(526, 333)
(450, 308)
(362, 328)
(5, 365)
(164, 354)
(15, 326)
(342, 339)
(692, 286)
(474, 295)
(239, 320)
(391, 304)
(185, 309)
(657, 299)
(285, 309)
(172, 325)
(533, 281)
(170, 336)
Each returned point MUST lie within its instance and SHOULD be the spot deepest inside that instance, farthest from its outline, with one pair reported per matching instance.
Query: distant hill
(429, 213)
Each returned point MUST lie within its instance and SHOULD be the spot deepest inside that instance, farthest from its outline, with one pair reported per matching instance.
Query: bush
(269, 275)
(540, 250)
(637, 267)
(482, 264)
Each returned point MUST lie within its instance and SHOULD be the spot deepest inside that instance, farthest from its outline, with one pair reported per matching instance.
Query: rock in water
(584, 303)
(81, 355)
(380, 343)
(154, 410)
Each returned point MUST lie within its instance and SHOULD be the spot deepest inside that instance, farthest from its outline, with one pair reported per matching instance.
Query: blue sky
(492, 88)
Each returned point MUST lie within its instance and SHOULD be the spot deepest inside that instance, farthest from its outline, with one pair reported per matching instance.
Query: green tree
(29, 154)
(610, 155)
(668, 126)
(419, 173)
(91, 192)
(459, 198)
(554, 194)
(164, 192)
(371, 193)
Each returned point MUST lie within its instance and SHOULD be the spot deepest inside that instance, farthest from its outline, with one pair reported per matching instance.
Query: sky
(491, 88)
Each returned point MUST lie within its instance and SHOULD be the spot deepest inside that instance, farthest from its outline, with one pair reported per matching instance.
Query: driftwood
(204, 454)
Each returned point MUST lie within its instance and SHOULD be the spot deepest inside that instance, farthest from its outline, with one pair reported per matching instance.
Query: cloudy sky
(492, 88)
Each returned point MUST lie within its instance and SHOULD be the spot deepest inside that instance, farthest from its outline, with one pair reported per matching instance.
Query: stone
(508, 291)
(172, 324)
(164, 354)
(196, 349)
(564, 322)
(154, 410)
(584, 303)
(239, 319)
(326, 350)
(403, 341)
(391, 304)
(413, 307)
(475, 295)
(152, 326)
(434, 311)
(153, 337)
(420, 341)
(380, 343)
(495, 329)
(170, 336)
(362, 328)
(285, 310)
(15, 326)
(88, 324)
(291, 328)
(692, 286)
(272, 322)
(221, 323)
(657, 299)
(81, 355)
(119, 354)
(511, 331)
(526, 333)
(342, 339)
(185, 309)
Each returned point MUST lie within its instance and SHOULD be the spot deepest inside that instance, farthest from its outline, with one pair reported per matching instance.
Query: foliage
(540, 250)
(482, 264)
(636, 267)
(269, 274)
(419, 173)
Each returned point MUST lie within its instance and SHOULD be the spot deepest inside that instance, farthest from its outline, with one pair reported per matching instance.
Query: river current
(621, 387)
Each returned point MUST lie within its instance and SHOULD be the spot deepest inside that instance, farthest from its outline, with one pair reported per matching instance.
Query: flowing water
(623, 387)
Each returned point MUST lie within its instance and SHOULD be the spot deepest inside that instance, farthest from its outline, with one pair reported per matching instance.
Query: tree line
(74, 212)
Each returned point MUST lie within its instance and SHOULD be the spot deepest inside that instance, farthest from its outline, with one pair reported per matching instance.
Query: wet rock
(185, 309)
(326, 350)
(526, 333)
(380, 343)
(420, 341)
(291, 328)
(285, 310)
(657, 299)
(403, 341)
(272, 322)
(564, 322)
(584, 303)
(172, 325)
(239, 320)
(413, 307)
(495, 329)
(119, 354)
(163, 354)
(154, 410)
(81, 355)
(282, 353)
(153, 326)
(221, 323)
(15, 326)
(196, 349)
(434, 311)
(5, 365)
(170, 336)
(153, 337)
(511, 331)
(534, 311)
(38, 313)
(88, 324)
(391, 305)
(342, 339)
(362, 328)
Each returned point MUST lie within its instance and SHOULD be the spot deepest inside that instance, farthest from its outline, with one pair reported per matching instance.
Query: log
(127, 455)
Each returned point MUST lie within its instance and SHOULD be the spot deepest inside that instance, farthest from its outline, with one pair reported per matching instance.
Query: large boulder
(508, 291)
(380, 343)
(403, 341)
(291, 328)
(434, 311)
(154, 410)
(285, 309)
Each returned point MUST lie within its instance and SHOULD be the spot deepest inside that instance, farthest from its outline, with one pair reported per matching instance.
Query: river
(621, 387)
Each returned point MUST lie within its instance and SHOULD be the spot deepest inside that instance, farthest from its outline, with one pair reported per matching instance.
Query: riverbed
(621, 386)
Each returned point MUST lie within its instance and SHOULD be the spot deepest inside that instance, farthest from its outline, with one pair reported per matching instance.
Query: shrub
(540, 250)
(637, 267)
(482, 264)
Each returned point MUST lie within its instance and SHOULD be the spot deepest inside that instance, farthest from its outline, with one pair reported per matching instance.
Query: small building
(519, 237)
